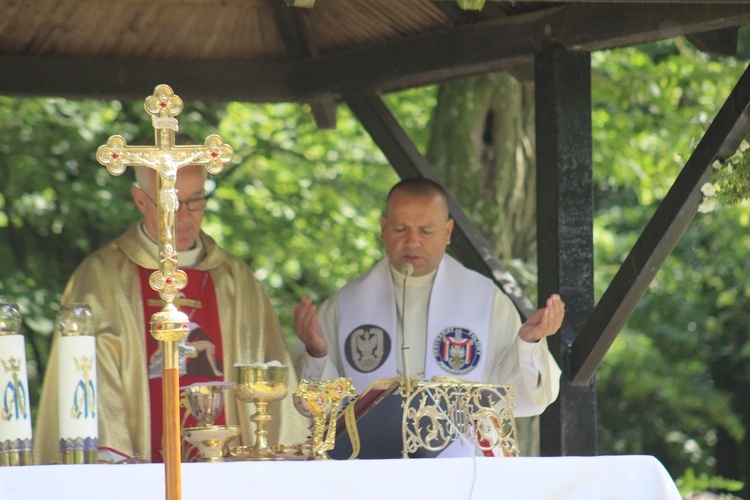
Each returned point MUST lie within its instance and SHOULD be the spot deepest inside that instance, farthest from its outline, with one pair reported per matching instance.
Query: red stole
(200, 352)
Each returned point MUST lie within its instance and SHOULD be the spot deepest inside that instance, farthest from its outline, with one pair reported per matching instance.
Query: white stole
(368, 300)
(457, 324)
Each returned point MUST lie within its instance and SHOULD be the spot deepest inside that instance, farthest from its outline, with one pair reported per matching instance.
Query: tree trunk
(482, 144)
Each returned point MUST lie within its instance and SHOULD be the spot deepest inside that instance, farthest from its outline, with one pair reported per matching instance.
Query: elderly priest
(231, 320)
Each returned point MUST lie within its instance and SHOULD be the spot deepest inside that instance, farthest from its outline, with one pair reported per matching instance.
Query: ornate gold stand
(443, 410)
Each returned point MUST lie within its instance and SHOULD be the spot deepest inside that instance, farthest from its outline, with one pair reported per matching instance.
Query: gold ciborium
(206, 401)
(261, 384)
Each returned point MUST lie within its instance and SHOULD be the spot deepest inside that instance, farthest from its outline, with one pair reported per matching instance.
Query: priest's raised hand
(307, 327)
(545, 321)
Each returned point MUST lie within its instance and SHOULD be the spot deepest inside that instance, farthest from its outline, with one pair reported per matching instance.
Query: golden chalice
(206, 402)
(261, 384)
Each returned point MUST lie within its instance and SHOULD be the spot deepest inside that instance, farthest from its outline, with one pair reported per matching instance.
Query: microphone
(407, 269)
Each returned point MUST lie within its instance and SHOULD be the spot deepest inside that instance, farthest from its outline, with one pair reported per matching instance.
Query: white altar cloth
(631, 477)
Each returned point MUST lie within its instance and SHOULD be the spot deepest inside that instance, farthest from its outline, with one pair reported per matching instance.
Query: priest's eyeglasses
(193, 204)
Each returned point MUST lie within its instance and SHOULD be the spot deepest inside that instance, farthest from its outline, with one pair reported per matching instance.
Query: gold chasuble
(248, 331)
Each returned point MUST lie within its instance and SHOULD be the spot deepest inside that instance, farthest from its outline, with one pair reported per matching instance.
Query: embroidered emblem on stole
(367, 347)
(457, 350)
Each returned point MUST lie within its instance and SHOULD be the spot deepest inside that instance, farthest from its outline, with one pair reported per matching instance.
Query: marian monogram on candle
(84, 393)
(15, 393)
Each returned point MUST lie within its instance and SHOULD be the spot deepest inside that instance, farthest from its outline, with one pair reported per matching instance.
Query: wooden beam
(721, 43)
(499, 44)
(291, 27)
(467, 244)
(435, 57)
(660, 235)
(565, 226)
(133, 79)
(324, 111)
(293, 31)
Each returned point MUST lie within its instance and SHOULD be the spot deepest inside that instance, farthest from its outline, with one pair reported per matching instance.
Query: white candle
(15, 407)
(77, 399)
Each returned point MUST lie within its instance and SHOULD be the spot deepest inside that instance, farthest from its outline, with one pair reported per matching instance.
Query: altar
(612, 477)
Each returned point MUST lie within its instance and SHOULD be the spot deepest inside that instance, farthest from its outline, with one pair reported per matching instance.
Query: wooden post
(171, 411)
(565, 234)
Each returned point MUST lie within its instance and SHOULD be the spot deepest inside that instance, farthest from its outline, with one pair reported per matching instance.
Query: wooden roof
(268, 51)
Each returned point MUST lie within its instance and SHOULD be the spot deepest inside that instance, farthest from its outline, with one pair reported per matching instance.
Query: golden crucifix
(170, 324)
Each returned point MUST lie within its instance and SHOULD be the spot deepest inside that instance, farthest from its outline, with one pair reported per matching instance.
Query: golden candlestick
(169, 325)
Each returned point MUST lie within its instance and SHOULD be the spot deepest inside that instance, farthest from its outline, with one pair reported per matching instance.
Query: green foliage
(672, 384)
(731, 181)
(300, 205)
(470, 4)
(57, 203)
(54, 208)
(691, 483)
(648, 113)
